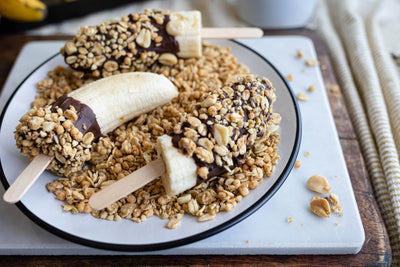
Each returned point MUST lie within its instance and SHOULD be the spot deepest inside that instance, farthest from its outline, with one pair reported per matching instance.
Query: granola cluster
(132, 145)
(131, 43)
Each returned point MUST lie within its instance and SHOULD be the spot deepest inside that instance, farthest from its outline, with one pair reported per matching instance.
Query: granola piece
(302, 97)
(297, 164)
(312, 62)
(337, 209)
(335, 89)
(300, 53)
(333, 199)
(289, 77)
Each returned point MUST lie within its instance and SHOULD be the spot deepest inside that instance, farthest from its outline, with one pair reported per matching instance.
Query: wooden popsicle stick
(127, 185)
(26, 179)
(231, 33)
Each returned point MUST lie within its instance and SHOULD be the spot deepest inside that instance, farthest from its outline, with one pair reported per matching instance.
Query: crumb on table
(312, 62)
(300, 53)
(297, 164)
(302, 97)
(335, 89)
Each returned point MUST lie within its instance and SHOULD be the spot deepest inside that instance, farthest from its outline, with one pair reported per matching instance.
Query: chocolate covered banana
(137, 41)
(66, 129)
(230, 121)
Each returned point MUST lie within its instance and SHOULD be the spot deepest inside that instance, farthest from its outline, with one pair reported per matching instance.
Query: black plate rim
(178, 242)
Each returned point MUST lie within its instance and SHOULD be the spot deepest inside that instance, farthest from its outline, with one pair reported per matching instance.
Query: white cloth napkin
(360, 37)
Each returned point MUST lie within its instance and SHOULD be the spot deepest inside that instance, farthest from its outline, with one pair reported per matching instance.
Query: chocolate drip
(168, 43)
(86, 121)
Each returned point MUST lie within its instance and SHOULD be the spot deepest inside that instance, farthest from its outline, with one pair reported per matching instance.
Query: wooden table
(376, 250)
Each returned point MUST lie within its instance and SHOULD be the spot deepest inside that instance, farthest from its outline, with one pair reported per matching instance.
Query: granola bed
(132, 145)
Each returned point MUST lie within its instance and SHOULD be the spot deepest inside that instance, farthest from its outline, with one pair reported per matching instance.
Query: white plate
(42, 207)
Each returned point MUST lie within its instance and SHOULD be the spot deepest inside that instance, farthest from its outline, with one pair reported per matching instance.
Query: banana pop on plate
(63, 133)
(214, 140)
(137, 41)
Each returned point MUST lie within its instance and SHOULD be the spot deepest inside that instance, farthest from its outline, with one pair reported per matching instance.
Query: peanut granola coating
(132, 145)
(133, 43)
(52, 132)
(227, 123)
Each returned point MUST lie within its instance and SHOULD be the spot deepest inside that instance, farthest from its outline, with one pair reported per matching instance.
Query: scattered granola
(333, 199)
(132, 145)
(289, 219)
(289, 77)
(300, 54)
(337, 209)
(311, 88)
(174, 221)
(312, 62)
(297, 164)
(308, 153)
(302, 97)
(335, 89)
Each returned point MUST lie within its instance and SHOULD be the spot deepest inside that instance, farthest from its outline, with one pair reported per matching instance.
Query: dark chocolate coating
(168, 43)
(86, 121)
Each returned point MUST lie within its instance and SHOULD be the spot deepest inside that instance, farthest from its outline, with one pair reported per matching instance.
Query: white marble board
(267, 231)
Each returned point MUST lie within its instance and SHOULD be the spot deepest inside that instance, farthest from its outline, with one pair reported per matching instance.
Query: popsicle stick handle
(127, 185)
(231, 33)
(26, 179)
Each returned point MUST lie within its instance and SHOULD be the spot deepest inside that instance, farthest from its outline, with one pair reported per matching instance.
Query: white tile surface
(267, 230)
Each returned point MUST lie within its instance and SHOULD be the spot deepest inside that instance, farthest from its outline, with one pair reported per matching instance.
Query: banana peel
(23, 10)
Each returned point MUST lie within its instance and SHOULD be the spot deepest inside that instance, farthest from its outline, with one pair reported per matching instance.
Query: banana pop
(134, 42)
(216, 138)
(138, 41)
(67, 129)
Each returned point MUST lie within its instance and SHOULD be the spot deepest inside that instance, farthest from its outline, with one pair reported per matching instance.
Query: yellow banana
(23, 10)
